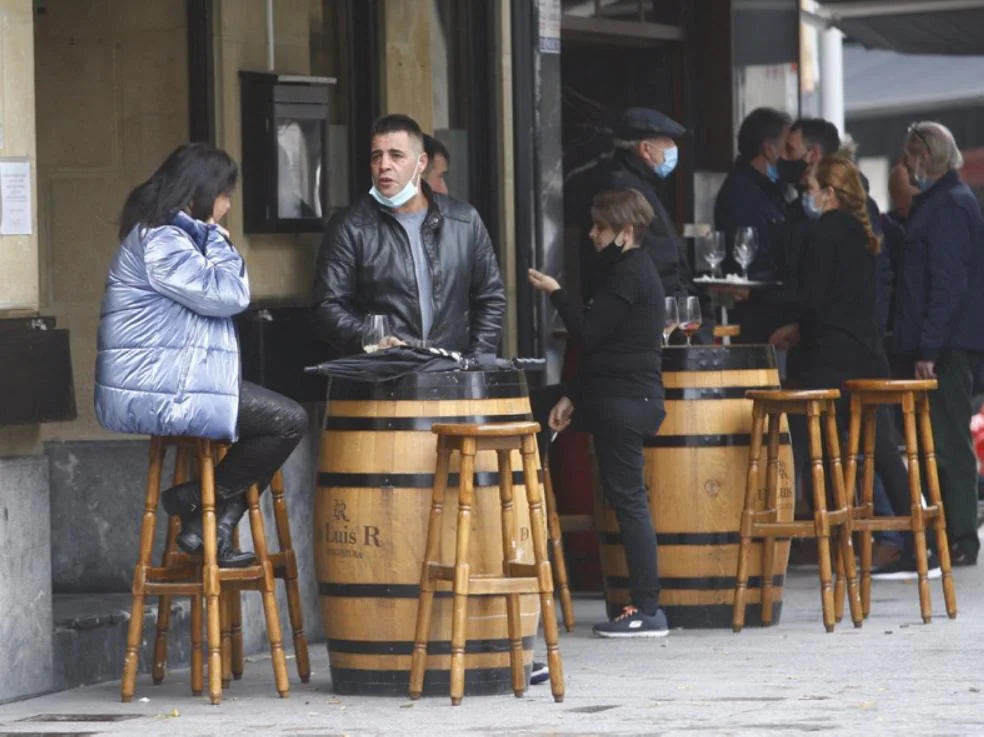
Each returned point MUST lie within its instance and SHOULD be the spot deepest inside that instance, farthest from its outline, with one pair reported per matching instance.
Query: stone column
(25, 566)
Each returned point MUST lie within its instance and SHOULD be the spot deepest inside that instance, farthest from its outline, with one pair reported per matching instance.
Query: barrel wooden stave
(695, 469)
(371, 527)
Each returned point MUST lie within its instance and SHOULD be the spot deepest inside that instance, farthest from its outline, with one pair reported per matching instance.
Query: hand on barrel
(925, 369)
(543, 283)
(786, 337)
(560, 415)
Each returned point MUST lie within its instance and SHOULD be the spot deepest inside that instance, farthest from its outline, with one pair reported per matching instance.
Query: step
(90, 637)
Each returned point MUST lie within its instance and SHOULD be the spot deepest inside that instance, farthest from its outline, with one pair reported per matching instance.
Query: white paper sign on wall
(15, 197)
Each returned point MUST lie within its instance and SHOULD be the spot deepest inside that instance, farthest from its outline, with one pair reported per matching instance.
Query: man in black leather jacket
(422, 259)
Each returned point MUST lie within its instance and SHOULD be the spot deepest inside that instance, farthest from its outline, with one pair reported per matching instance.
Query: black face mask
(791, 172)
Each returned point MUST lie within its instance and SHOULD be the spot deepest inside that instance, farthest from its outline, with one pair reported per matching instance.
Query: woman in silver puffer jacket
(168, 355)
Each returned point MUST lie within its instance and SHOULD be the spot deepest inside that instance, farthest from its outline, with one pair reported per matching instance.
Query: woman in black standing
(838, 333)
(618, 393)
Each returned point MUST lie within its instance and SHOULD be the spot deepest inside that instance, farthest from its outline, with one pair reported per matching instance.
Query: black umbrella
(390, 364)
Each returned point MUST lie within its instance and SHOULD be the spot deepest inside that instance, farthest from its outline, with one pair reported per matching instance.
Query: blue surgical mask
(810, 207)
(772, 172)
(401, 198)
(670, 158)
(923, 183)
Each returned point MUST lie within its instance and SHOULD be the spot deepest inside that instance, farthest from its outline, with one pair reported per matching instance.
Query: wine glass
(671, 320)
(690, 316)
(746, 246)
(712, 246)
(376, 330)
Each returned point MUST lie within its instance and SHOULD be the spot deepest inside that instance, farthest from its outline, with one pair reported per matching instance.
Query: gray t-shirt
(411, 222)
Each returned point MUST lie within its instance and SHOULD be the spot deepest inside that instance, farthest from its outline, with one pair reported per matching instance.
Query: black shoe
(904, 569)
(634, 623)
(960, 558)
(225, 525)
(539, 674)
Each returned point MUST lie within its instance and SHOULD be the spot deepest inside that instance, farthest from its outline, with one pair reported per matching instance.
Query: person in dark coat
(645, 154)
(838, 331)
(939, 315)
(753, 196)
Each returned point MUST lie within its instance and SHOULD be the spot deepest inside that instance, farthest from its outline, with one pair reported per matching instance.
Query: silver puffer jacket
(168, 355)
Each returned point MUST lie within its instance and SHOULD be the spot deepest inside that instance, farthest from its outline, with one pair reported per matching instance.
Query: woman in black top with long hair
(838, 334)
(618, 393)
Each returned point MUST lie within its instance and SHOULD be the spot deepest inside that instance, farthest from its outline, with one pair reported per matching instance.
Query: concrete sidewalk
(895, 676)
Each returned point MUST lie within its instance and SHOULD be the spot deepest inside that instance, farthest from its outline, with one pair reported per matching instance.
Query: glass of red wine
(690, 316)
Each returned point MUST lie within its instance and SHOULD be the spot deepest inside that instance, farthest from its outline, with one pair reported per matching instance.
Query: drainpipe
(269, 35)
(832, 77)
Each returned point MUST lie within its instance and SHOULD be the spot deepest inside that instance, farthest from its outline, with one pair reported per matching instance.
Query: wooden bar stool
(757, 522)
(913, 396)
(517, 578)
(199, 576)
(557, 547)
(284, 565)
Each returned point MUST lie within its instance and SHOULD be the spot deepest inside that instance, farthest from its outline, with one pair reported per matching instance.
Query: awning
(951, 27)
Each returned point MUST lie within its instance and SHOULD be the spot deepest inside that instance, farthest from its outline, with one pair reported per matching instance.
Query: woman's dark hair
(617, 208)
(191, 179)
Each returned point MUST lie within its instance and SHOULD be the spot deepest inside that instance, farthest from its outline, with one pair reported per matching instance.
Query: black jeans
(270, 427)
(619, 425)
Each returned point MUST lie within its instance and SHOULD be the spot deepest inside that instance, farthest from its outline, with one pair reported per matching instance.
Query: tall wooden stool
(557, 547)
(913, 396)
(517, 578)
(284, 565)
(759, 522)
(199, 576)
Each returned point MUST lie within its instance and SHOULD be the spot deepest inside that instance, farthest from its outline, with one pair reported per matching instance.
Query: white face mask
(402, 197)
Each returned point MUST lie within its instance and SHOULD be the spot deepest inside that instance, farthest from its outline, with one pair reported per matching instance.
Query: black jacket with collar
(365, 267)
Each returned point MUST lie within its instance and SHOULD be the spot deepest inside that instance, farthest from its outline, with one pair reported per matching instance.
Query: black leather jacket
(365, 267)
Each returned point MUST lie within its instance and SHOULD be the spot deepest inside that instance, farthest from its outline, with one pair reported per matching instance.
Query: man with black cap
(645, 153)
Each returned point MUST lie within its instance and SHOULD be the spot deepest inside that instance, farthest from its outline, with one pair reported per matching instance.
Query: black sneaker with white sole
(539, 674)
(903, 568)
(634, 623)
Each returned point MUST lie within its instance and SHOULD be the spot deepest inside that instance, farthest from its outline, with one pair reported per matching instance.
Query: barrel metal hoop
(706, 441)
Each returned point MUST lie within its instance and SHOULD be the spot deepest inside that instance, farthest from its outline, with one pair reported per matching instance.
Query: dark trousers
(270, 427)
(618, 426)
(950, 410)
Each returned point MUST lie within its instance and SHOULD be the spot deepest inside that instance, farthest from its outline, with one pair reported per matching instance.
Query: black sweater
(619, 334)
(836, 301)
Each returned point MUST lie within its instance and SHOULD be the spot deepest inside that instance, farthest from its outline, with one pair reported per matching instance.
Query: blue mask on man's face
(671, 157)
(772, 172)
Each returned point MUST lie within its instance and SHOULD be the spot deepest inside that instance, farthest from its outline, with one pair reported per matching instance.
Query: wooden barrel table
(375, 473)
(695, 470)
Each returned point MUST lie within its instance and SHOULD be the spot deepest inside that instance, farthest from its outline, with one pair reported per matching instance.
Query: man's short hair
(818, 132)
(761, 125)
(399, 123)
(433, 147)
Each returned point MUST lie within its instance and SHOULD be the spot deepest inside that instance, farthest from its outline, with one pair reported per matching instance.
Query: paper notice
(15, 197)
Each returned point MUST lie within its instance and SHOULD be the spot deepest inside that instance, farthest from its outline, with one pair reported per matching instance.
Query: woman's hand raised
(543, 283)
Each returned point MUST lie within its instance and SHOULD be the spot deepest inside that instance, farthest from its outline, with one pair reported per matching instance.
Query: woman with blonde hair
(838, 334)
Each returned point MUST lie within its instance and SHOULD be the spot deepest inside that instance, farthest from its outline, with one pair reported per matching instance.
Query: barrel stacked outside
(695, 470)
(376, 470)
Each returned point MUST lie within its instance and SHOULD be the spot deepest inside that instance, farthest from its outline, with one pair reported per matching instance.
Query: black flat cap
(639, 123)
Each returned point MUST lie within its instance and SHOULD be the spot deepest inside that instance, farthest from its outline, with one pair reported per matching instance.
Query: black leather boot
(184, 500)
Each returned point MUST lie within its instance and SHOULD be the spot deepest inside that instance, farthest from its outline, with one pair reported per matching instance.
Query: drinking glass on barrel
(690, 316)
(671, 320)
